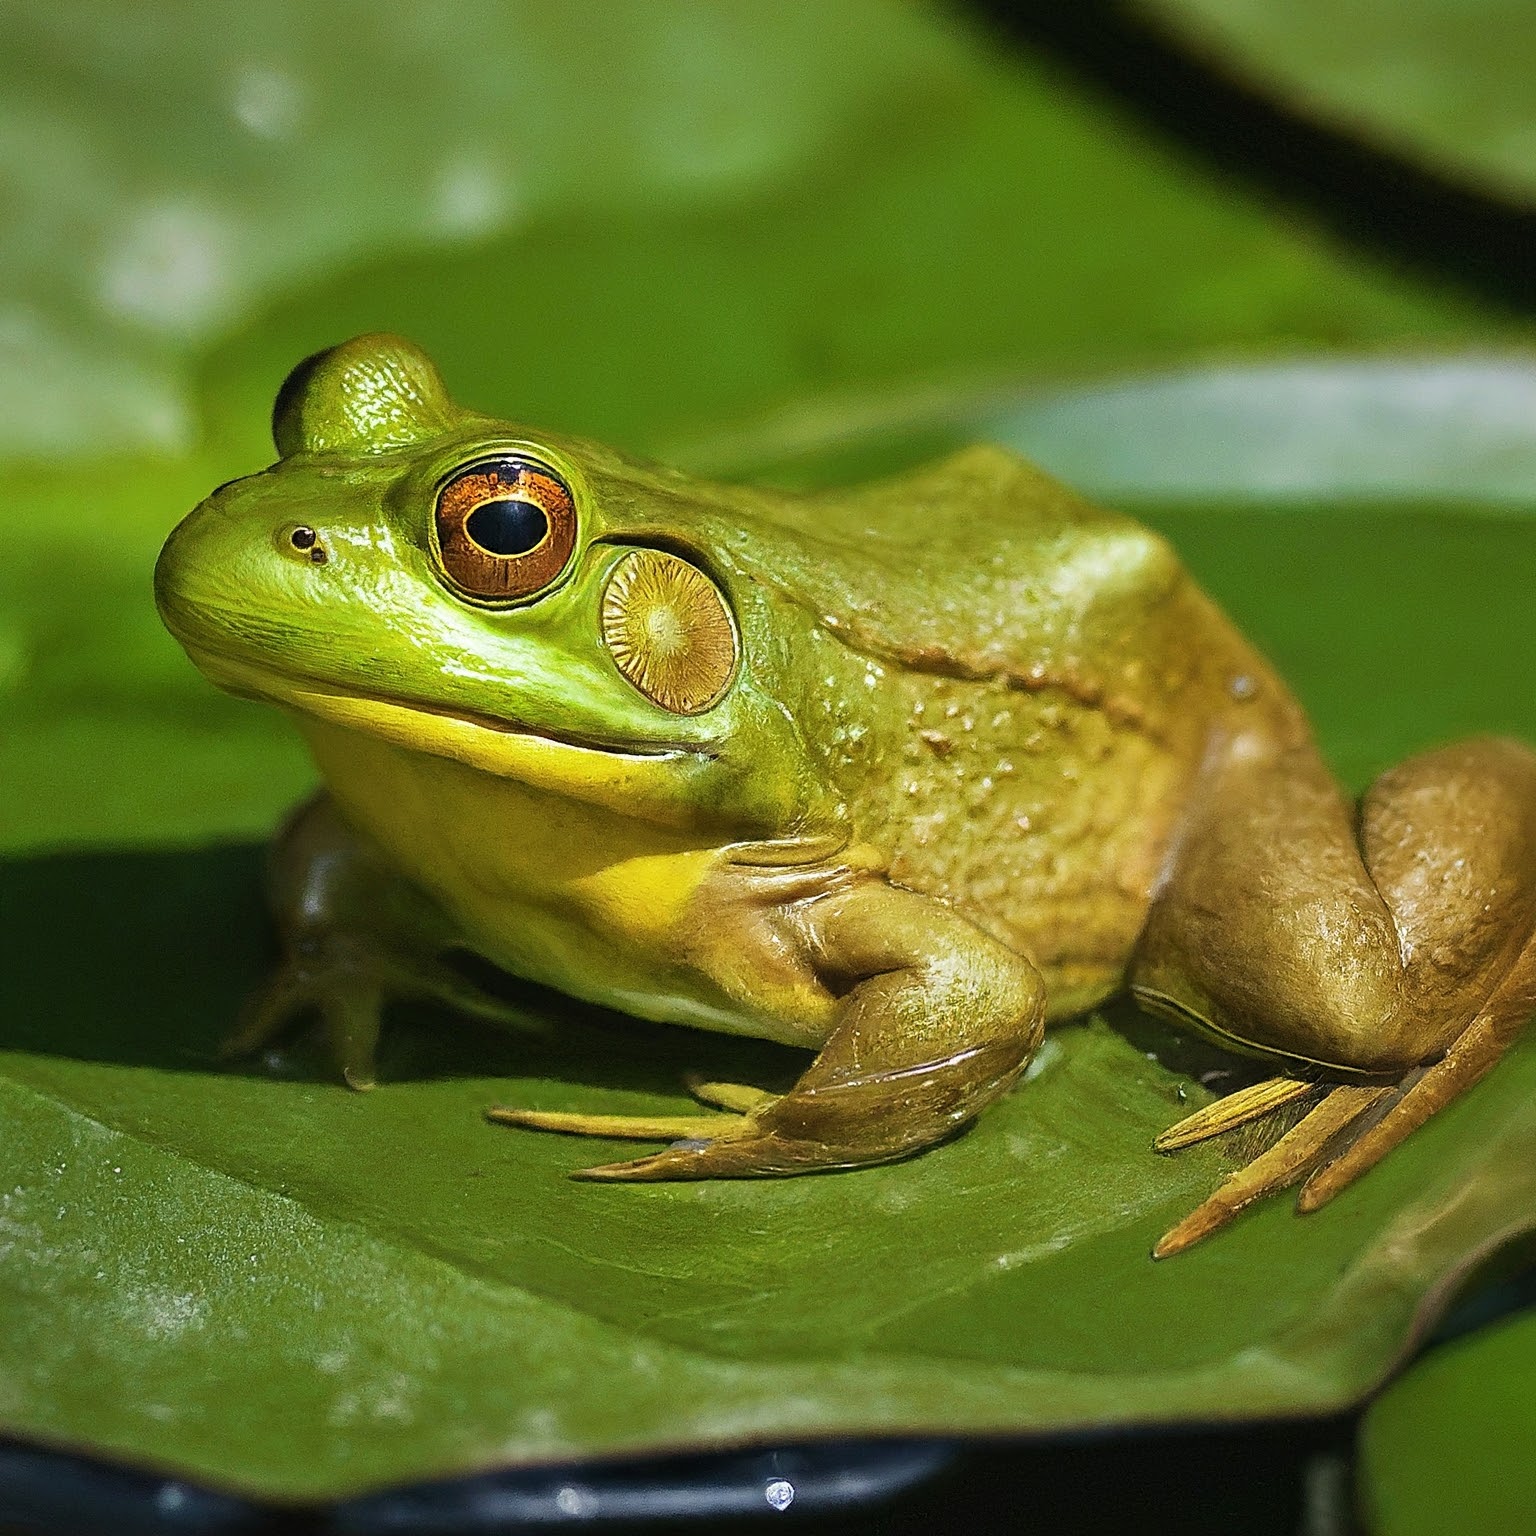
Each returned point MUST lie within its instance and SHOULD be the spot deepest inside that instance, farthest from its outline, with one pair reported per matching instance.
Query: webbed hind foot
(1390, 943)
(1353, 1127)
(1291, 1158)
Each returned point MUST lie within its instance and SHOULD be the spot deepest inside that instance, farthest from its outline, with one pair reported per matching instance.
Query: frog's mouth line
(482, 741)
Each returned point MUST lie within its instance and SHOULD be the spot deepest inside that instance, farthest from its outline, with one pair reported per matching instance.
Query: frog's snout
(215, 567)
(173, 571)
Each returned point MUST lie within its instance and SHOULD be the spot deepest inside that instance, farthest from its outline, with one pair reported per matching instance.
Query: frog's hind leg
(1470, 1058)
(1392, 946)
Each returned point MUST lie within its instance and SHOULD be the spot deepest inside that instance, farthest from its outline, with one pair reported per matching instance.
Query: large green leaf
(1452, 1447)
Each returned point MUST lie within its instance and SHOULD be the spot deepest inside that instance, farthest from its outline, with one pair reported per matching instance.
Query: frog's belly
(554, 891)
(604, 965)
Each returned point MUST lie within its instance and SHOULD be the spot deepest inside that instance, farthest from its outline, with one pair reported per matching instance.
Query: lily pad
(1452, 1446)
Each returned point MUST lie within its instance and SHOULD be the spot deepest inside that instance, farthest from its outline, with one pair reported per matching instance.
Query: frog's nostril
(307, 541)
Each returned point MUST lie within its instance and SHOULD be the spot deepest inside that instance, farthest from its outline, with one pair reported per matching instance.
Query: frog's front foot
(934, 1021)
(349, 1000)
(347, 982)
(355, 936)
(731, 1124)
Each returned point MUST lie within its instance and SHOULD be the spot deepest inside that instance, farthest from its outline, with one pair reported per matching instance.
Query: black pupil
(507, 527)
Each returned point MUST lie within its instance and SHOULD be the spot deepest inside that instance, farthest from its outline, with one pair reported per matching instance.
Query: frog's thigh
(1361, 940)
(934, 1020)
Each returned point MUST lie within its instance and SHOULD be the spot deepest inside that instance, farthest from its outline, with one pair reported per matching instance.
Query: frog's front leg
(932, 1021)
(355, 935)
(1390, 950)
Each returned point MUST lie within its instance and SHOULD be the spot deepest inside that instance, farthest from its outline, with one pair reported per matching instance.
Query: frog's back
(1016, 689)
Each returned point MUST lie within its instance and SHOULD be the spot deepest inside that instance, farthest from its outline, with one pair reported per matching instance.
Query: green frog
(899, 775)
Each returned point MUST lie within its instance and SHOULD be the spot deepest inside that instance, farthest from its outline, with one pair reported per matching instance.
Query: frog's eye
(505, 528)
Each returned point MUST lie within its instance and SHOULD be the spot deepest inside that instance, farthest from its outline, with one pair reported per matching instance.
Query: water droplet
(578, 1503)
(780, 1493)
(1242, 687)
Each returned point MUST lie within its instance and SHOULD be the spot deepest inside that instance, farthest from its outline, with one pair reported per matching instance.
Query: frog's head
(536, 607)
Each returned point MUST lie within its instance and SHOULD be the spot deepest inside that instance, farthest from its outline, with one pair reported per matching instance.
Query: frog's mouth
(625, 776)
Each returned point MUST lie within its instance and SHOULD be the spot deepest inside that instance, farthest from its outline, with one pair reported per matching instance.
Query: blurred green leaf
(1448, 82)
(1452, 1446)
(167, 170)
(1340, 427)
(972, 233)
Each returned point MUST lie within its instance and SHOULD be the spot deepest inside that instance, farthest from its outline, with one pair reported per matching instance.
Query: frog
(899, 774)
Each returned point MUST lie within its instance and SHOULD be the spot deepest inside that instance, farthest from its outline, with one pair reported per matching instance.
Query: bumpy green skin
(987, 756)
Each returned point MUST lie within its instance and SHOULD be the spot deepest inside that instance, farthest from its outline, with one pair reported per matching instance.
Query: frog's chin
(624, 778)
